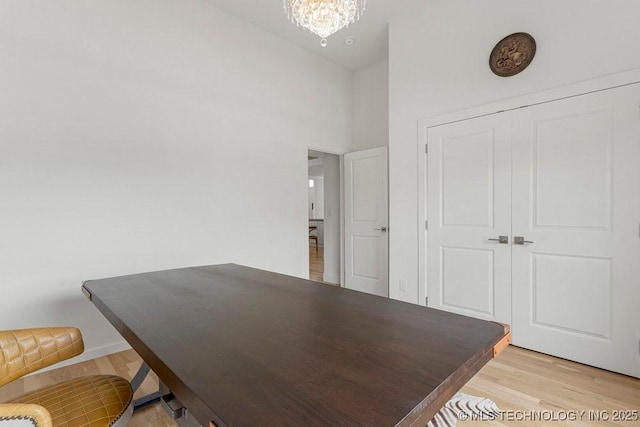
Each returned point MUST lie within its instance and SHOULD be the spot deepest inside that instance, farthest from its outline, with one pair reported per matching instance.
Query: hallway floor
(316, 263)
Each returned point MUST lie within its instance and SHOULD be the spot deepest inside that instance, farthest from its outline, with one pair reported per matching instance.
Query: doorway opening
(323, 213)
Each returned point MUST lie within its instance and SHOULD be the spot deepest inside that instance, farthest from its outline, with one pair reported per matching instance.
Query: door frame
(305, 161)
(549, 95)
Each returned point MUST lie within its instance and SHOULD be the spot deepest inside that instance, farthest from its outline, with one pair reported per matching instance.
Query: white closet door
(576, 191)
(469, 203)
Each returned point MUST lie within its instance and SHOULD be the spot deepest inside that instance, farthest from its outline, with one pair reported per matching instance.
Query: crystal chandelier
(324, 17)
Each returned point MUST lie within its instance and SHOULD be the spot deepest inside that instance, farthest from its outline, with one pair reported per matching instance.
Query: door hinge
(426, 225)
(426, 148)
(426, 301)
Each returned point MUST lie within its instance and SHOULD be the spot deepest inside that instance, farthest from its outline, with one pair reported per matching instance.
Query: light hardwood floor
(316, 263)
(524, 384)
(521, 382)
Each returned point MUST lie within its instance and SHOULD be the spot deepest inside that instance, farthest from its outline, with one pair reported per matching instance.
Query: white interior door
(576, 199)
(469, 203)
(366, 221)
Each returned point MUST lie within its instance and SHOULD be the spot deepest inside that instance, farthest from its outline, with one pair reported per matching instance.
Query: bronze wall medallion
(512, 54)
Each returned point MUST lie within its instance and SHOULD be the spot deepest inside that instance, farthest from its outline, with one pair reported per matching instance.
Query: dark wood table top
(246, 347)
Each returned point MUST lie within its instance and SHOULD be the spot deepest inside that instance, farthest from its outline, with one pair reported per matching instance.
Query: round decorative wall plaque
(512, 54)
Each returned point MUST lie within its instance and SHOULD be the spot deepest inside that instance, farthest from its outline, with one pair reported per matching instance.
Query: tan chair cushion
(98, 400)
(26, 350)
(21, 414)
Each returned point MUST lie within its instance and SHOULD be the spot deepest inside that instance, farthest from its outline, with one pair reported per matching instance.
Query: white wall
(371, 106)
(439, 52)
(148, 135)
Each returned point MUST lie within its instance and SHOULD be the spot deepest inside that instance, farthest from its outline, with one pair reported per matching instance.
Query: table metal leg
(136, 382)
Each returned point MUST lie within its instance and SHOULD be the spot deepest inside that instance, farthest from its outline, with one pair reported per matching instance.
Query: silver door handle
(383, 229)
(519, 240)
(501, 239)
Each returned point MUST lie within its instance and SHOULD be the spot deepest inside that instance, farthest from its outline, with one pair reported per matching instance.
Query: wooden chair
(91, 401)
(313, 236)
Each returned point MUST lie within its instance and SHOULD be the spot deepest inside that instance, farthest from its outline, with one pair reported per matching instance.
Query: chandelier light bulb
(324, 17)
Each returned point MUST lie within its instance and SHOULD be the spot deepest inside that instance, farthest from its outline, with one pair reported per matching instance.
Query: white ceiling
(370, 34)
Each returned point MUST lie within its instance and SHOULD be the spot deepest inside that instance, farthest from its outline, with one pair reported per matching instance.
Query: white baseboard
(104, 350)
(331, 278)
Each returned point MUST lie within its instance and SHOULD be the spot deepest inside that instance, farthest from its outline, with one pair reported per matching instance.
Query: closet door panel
(571, 284)
(571, 171)
(468, 199)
